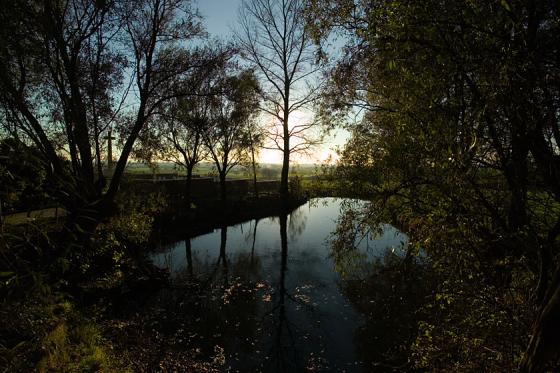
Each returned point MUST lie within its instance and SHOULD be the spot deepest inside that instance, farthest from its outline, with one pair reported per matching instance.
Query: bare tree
(272, 37)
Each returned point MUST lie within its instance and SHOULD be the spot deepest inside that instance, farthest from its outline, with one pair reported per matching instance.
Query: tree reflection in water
(272, 302)
(389, 291)
(188, 254)
(285, 357)
(222, 258)
(254, 239)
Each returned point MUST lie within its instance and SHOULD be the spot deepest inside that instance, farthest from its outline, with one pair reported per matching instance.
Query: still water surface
(278, 302)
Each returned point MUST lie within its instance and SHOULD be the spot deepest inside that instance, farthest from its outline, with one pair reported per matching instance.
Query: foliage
(45, 332)
(71, 66)
(296, 188)
(85, 355)
(120, 243)
(466, 331)
(44, 327)
(456, 144)
(176, 132)
(229, 137)
(22, 176)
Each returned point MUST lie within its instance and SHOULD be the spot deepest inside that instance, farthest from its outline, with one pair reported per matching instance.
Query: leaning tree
(72, 68)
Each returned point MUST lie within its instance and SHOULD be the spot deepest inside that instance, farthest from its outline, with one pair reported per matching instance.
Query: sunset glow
(325, 152)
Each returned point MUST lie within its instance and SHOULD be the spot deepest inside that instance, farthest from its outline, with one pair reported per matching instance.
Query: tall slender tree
(273, 38)
(256, 136)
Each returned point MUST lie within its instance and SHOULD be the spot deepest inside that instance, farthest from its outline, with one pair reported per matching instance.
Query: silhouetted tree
(227, 138)
(64, 81)
(176, 132)
(272, 37)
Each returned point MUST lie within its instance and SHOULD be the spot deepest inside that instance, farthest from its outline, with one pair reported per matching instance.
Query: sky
(220, 18)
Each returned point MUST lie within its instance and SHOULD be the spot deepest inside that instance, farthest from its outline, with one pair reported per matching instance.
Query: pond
(272, 298)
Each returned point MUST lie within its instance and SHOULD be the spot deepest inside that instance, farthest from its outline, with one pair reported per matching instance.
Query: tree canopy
(458, 141)
(229, 137)
(77, 68)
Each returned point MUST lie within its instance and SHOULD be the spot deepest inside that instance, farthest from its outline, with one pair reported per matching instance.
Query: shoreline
(176, 224)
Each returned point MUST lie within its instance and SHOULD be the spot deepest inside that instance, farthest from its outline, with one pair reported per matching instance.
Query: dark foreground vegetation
(79, 308)
(456, 142)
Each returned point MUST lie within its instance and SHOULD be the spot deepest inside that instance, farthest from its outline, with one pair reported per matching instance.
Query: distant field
(264, 171)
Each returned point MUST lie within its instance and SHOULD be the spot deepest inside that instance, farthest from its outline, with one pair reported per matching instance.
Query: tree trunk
(284, 190)
(254, 172)
(127, 149)
(188, 186)
(223, 191)
(516, 173)
(545, 261)
(544, 345)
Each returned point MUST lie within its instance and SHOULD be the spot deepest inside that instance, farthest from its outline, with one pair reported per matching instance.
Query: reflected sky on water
(272, 297)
